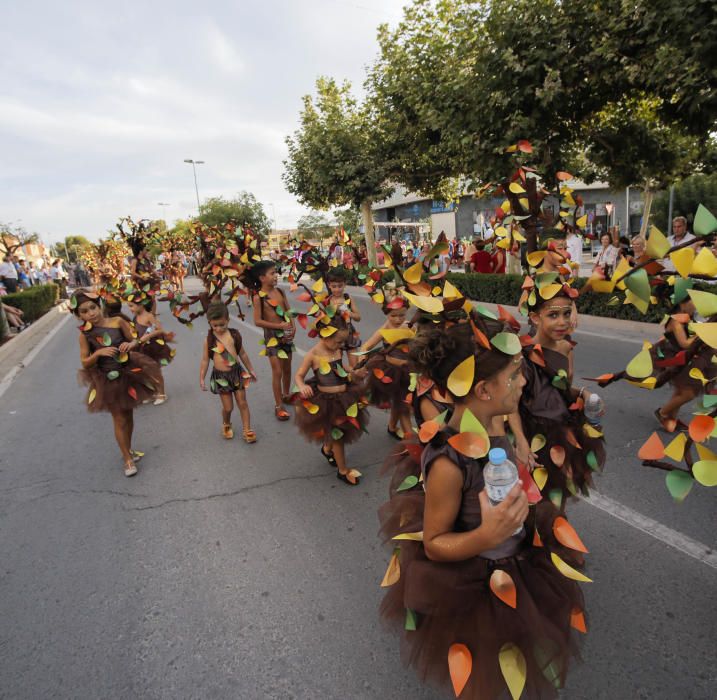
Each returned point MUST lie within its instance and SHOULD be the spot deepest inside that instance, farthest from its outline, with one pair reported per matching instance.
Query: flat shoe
(281, 414)
(352, 477)
(329, 457)
(668, 424)
(136, 455)
(130, 469)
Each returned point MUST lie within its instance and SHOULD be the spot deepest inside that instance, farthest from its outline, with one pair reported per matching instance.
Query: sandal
(280, 413)
(329, 457)
(394, 434)
(668, 424)
(352, 477)
(136, 455)
(160, 399)
(130, 469)
(249, 436)
(227, 431)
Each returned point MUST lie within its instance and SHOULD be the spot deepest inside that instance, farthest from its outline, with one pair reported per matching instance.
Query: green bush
(506, 290)
(33, 302)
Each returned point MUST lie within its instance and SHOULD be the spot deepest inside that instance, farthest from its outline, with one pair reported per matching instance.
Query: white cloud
(221, 50)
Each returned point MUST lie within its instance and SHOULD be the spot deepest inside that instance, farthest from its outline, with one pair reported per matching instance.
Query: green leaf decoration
(282, 355)
(639, 284)
(545, 278)
(486, 313)
(546, 653)
(469, 423)
(705, 302)
(413, 382)
(212, 385)
(709, 400)
(556, 497)
(336, 433)
(614, 301)
(279, 312)
(507, 343)
(113, 375)
(591, 459)
(560, 380)
(441, 417)
(705, 221)
(408, 483)
(410, 624)
(682, 288)
(341, 372)
(106, 339)
(705, 472)
(679, 484)
(73, 302)
(164, 362)
(222, 382)
(570, 485)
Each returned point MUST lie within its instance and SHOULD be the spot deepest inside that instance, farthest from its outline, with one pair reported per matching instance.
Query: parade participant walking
(118, 378)
(153, 339)
(332, 410)
(271, 313)
(388, 371)
(478, 583)
(232, 371)
(340, 299)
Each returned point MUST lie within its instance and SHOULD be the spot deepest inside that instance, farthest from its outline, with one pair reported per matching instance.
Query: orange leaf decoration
(536, 356)
(562, 175)
(460, 665)
(385, 379)
(701, 428)
(528, 283)
(469, 444)
(557, 455)
(503, 586)
(480, 336)
(570, 435)
(427, 430)
(378, 373)
(537, 542)
(524, 146)
(577, 620)
(652, 449)
(565, 534)
(508, 318)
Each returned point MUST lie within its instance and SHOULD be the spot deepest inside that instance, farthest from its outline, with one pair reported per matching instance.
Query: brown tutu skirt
(434, 605)
(387, 384)
(160, 353)
(137, 381)
(663, 355)
(228, 382)
(331, 416)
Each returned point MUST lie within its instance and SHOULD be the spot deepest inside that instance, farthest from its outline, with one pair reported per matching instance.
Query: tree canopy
(13, 238)
(244, 209)
(314, 225)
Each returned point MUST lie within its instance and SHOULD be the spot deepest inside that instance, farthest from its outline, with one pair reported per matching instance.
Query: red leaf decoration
(652, 449)
(701, 428)
(557, 455)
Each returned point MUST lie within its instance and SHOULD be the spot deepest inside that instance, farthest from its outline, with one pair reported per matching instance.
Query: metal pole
(627, 211)
(196, 187)
(669, 210)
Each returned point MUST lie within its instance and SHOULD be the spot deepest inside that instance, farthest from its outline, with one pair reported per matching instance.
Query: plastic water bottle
(500, 475)
(594, 407)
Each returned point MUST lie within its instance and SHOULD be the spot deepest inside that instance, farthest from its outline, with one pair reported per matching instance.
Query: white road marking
(25, 363)
(651, 527)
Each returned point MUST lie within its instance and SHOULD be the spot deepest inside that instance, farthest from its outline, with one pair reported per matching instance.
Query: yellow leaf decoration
(324, 366)
(582, 221)
(640, 366)
(451, 292)
(705, 453)
(705, 472)
(550, 290)
(676, 449)
(393, 572)
(413, 274)
(318, 286)
(696, 373)
(682, 260)
(657, 244)
(327, 331)
(460, 379)
(394, 335)
(413, 536)
(707, 333)
(536, 257)
(540, 476)
(567, 570)
(273, 342)
(705, 263)
(705, 302)
(537, 443)
(92, 396)
(515, 188)
(432, 305)
(513, 668)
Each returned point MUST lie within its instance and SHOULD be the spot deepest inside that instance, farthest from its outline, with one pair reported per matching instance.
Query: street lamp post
(196, 188)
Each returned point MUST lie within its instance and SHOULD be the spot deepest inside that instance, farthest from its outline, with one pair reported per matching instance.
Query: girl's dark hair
(540, 302)
(336, 275)
(251, 277)
(438, 352)
(217, 310)
(113, 309)
(80, 296)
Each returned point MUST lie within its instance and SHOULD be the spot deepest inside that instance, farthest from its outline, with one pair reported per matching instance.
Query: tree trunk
(646, 211)
(367, 218)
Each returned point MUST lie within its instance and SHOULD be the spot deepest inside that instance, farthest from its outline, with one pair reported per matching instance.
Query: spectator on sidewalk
(469, 253)
(497, 260)
(606, 259)
(23, 278)
(575, 250)
(679, 235)
(481, 260)
(513, 263)
(397, 254)
(8, 274)
(59, 277)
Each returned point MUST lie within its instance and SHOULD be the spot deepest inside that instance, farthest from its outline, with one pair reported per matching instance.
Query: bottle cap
(497, 455)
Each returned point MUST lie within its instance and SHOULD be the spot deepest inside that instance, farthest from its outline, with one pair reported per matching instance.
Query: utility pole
(669, 210)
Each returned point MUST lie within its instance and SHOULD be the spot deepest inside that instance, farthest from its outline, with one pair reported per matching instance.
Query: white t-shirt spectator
(575, 248)
(667, 263)
(7, 269)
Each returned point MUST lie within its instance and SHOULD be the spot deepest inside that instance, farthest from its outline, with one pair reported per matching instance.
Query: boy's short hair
(336, 275)
(217, 310)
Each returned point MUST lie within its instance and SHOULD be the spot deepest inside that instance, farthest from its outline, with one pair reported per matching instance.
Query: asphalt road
(226, 570)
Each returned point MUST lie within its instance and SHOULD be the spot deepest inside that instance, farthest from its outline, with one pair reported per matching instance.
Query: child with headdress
(153, 339)
(477, 587)
(342, 301)
(331, 409)
(272, 314)
(232, 371)
(556, 433)
(118, 378)
(388, 370)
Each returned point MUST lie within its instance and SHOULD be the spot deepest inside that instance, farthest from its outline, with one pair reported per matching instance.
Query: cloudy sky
(101, 102)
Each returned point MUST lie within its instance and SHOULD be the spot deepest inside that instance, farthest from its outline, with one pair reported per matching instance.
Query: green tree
(349, 219)
(314, 225)
(244, 209)
(13, 238)
(340, 156)
(688, 195)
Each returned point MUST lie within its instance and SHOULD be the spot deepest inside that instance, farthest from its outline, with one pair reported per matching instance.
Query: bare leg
(392, 419)
(243, 407)
(679, 398)
(339, 455)
(404, 418)
(286, 376)
(123, 425)
(276, 376)
(227, 405)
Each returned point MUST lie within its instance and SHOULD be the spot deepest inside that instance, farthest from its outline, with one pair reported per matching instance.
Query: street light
(164, 211)
(194, 164)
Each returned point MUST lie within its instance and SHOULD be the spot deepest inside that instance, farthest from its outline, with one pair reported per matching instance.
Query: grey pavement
(226, 570)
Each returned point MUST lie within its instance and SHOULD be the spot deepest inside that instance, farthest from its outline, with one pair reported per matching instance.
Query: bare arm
(204, 366)
(301, 373)
(88, 358)
(259, 321)
(443, 499)
(132, 342)
(428, 409)
(246, 362)
(355, 315)
(681, 335)
(373, 341)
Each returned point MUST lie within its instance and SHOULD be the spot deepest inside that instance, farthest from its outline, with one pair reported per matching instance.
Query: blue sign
(438, 207)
